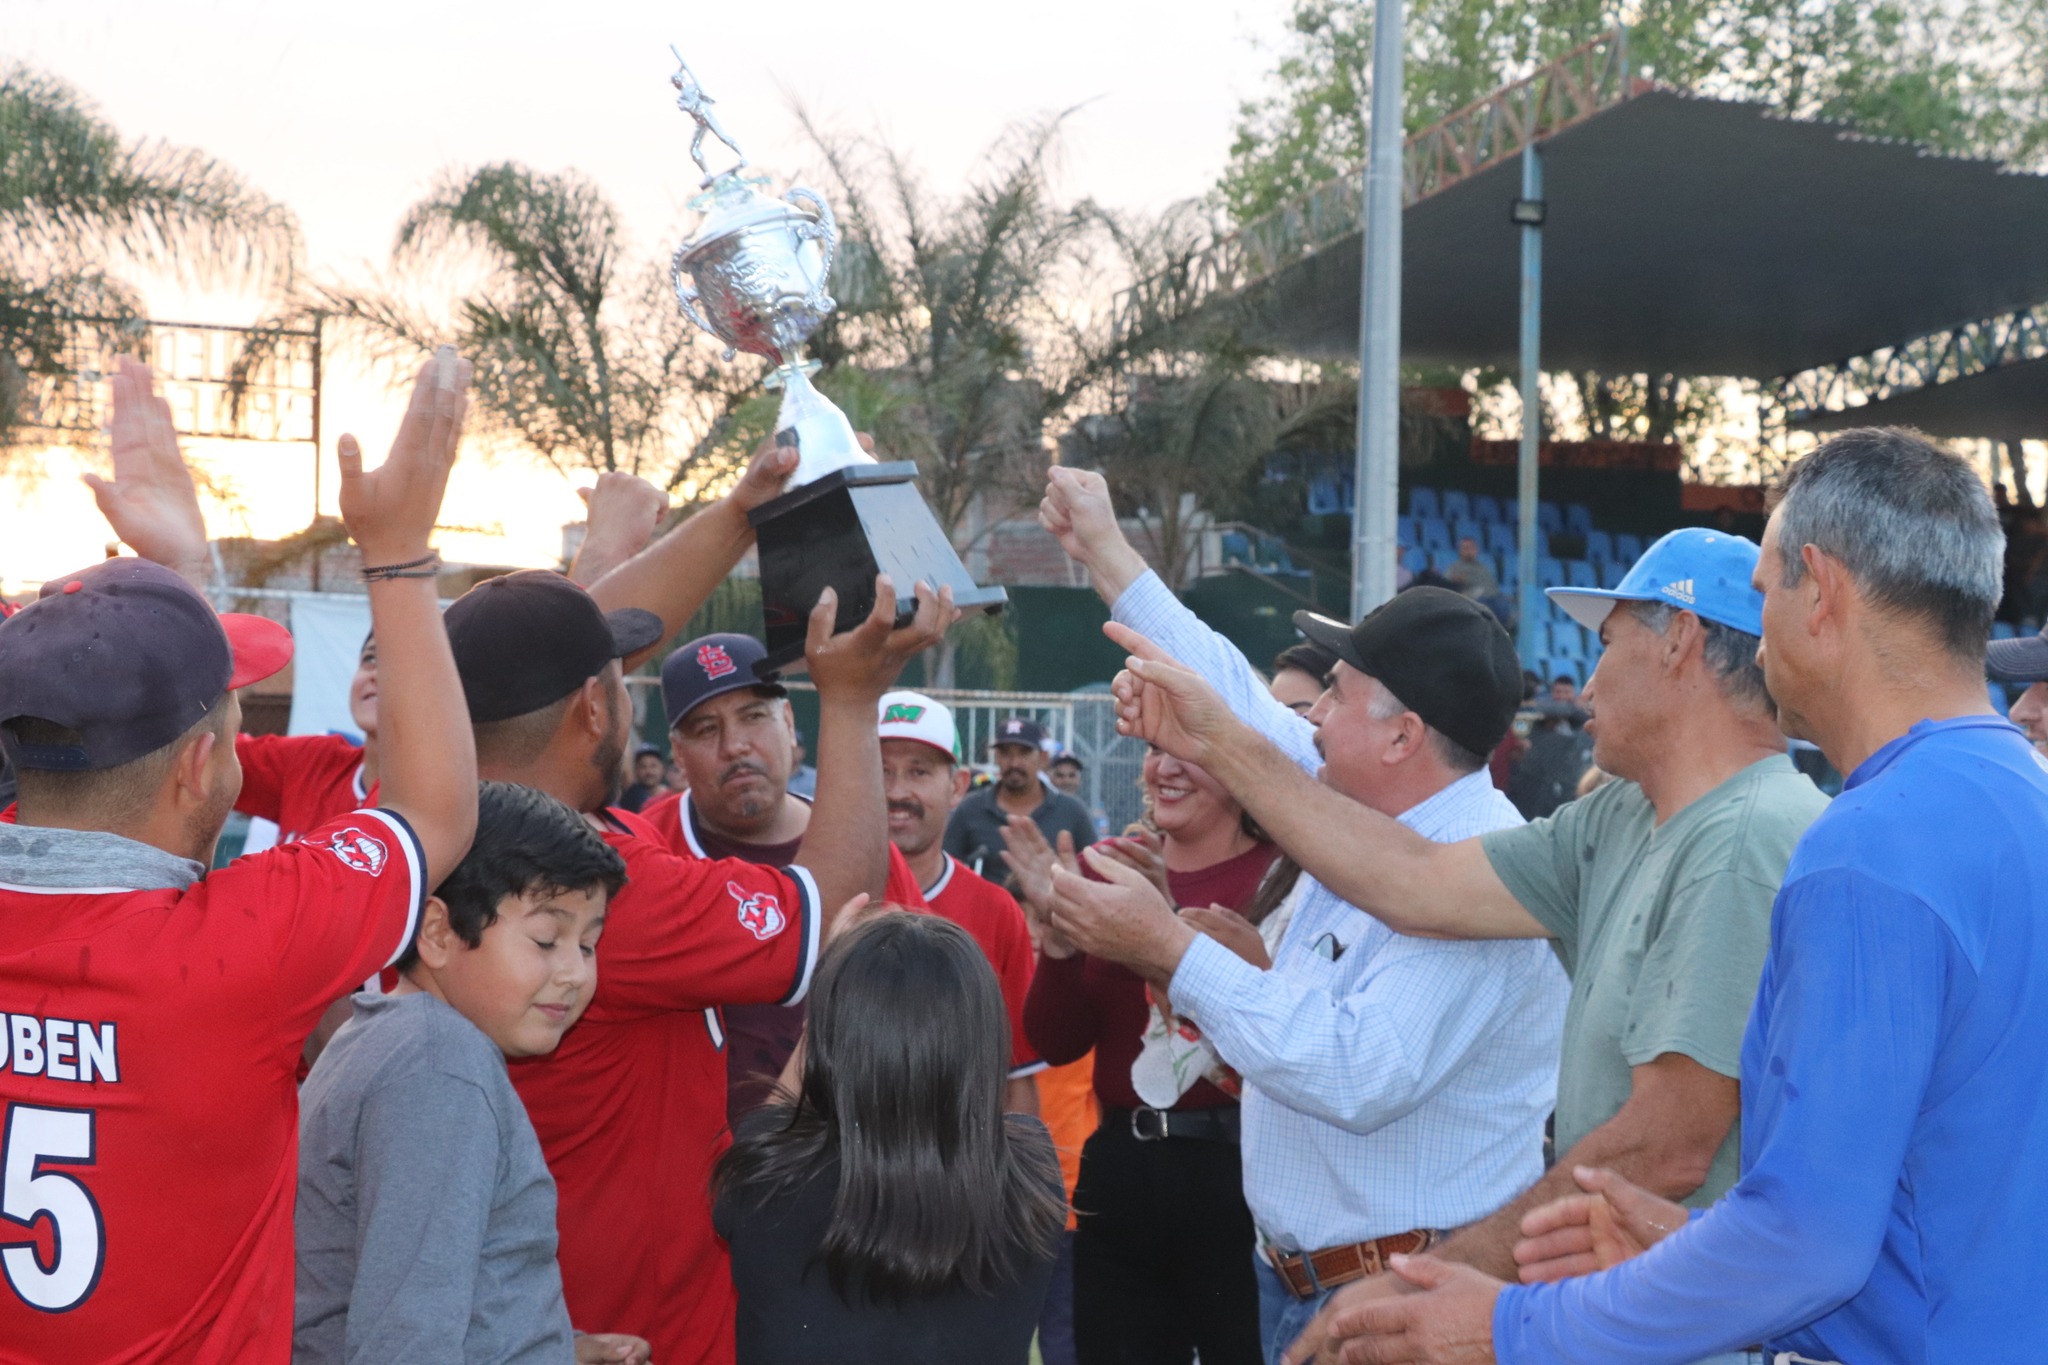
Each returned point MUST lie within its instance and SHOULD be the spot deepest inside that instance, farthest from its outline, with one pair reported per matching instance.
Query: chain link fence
(1080, 723)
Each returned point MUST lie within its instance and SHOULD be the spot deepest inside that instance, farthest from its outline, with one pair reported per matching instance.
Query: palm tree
(581, 355)
(77, 202)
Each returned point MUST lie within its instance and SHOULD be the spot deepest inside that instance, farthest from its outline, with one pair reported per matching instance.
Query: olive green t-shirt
(1663, 930)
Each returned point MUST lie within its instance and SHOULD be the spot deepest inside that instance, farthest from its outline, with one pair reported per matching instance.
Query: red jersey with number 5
(148, 1108)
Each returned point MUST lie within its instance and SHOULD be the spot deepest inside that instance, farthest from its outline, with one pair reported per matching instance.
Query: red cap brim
(260, 646)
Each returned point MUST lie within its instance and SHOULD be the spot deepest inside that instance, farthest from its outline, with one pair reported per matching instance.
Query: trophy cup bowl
(754, 276)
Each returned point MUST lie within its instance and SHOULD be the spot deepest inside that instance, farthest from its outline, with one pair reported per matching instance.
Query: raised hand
(1032, 860)
(391, 510)
(620, 514)
(1581, 1233)
(862, 663)
(1144, 852)
(1123, 917)
(1163, 703)
(150, 502)
(1077, 510)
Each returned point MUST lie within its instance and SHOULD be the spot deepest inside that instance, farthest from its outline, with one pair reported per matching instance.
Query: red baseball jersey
(674, 822)
(148, 1110)
(989, 913)
(300, 782)
(630, 1109)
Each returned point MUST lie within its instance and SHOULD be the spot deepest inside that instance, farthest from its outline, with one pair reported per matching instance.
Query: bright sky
(346, 112)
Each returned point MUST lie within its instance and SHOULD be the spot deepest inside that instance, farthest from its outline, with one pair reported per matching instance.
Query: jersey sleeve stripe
(416, 870)
(813, 926)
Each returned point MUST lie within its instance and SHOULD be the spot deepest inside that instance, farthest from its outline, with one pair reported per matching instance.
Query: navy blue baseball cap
(526, 640)
(710, 666)
(1705, 572)
(127, 654)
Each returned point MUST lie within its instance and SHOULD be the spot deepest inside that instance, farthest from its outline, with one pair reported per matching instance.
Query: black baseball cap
(1441, 654)
(525, 640)
(128, 655)
(1018, 730)
(710, 666)
(2019, 661)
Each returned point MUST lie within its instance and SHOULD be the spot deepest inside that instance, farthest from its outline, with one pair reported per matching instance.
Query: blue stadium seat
(1469, 529)
(1325, 497)
(1611, 575)
(1557, 666)
(1237, 548)
(1578, 517)
(1414, 559)
(1550, 573)
(1628, 549)
(1568, 640)
(1441, 559)
(2001, 630)
(1599, 547)
(2000, 702)
(1511, 511)
(1405, 531)
(1422, 503)
(1500, 540)
(1457, 505)
(1579, 574)
(1549, 517)
(1486, 508)
(1435, 535)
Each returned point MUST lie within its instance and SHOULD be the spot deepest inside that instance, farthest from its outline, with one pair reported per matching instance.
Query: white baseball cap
(913, 715)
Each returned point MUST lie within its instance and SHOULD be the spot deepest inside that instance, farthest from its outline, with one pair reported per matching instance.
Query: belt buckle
(1139, 1126)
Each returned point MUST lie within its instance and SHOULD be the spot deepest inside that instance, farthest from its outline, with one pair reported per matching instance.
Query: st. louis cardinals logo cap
(129, 656)
(710, 666)
(526, 640)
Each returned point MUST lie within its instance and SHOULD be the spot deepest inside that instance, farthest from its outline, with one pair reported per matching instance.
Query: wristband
(427, 566)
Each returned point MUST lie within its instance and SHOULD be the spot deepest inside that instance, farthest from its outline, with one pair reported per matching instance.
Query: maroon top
(1084, 1002)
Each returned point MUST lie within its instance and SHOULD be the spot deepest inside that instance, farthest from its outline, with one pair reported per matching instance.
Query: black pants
(1163, 1255)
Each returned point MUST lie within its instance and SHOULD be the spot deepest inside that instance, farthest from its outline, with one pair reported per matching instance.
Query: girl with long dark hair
(890, 1211)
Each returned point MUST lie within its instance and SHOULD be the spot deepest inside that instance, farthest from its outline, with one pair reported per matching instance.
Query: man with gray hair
(1655, 890)
(1894, 1189)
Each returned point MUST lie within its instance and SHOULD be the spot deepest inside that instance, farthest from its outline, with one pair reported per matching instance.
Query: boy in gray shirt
(426, 1214)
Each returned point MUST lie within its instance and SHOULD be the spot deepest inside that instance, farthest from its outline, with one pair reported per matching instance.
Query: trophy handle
(826, 233)
(687, 298)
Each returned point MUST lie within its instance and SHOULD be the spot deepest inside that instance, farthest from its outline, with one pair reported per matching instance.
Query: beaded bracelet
(428, 566)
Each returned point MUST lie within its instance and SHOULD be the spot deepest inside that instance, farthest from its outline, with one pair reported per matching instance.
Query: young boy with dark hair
(426, 1215)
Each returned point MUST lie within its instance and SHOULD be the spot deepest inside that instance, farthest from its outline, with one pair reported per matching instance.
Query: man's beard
(1016, 780)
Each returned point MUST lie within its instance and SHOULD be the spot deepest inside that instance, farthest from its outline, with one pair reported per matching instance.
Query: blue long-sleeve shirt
(1893, 1204)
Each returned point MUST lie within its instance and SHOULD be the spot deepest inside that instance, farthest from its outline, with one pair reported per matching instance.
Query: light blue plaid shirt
(1391, 1083)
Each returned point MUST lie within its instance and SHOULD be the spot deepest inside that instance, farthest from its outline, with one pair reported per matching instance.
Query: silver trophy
(754, 276)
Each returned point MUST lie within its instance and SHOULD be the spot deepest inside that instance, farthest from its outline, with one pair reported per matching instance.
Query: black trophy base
(839, 532)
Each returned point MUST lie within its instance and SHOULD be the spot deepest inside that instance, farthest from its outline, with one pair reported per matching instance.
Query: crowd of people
(525, 1045)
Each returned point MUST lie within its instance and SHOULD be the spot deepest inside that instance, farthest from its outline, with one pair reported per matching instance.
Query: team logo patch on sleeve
(715, 662)
(363, 852)
(760, 914)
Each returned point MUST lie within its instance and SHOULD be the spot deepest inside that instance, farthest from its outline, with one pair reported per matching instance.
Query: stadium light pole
(1528, 214)
(1377, 483)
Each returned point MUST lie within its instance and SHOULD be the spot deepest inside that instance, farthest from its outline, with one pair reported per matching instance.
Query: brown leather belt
(1309, 1274)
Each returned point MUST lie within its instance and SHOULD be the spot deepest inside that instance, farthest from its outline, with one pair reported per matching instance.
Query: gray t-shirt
(426, 1215)
(974, 833)
(1662, 929)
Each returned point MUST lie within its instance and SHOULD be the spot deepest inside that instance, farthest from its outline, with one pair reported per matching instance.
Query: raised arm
(1411, 884)
(620, 513)
(675, 575)
(843, 847)
(151, 502)
(429, 758)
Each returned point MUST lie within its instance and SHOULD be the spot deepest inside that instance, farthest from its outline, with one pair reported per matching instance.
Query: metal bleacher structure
(1851, 279)
(1437, 519)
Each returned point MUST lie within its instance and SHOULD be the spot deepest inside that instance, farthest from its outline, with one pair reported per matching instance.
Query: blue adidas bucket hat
(1704, 572)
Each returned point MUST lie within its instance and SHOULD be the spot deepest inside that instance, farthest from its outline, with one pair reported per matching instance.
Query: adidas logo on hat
(1680, 591)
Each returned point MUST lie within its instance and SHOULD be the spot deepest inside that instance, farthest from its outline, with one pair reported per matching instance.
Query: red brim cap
(260, 647)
